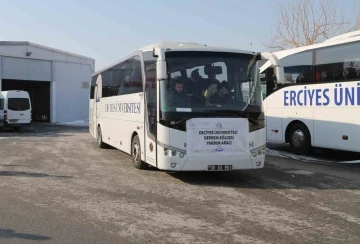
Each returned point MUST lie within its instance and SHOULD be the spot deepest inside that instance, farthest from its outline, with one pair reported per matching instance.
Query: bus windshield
(210, 82)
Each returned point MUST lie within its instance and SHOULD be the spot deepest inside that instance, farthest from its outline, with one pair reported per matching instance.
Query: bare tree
(306, 22)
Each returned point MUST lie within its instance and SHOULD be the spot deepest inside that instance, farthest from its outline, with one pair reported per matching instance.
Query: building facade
(57, 81)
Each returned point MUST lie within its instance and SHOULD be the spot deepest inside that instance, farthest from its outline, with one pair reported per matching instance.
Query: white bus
(136, 106)
(313, 99)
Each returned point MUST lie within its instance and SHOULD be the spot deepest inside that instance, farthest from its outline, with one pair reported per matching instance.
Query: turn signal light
(258, 151)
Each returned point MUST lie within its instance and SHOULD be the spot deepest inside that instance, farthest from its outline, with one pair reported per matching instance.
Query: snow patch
(76, 123)
(302, 158)
(299, 172)
(294, 156)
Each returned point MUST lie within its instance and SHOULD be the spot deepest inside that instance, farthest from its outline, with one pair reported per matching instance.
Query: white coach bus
(164, 105)
(313, 99)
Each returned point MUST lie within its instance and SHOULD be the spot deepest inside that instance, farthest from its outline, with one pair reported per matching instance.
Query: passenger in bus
(196, 87)
(222, 96)
(177, 97)
(211, 76)
(197, 84)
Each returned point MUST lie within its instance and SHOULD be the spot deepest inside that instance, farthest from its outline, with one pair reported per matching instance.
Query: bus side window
(338, 63)
(298, 68)
(106, 83)
(136, 76)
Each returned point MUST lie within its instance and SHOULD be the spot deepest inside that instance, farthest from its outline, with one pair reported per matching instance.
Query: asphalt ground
(57, 186)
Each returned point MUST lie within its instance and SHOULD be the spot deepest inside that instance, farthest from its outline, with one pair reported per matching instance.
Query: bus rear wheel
(100, 142)
(136, 153)
(299, 139)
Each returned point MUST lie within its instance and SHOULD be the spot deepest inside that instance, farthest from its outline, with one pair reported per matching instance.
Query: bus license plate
(219, 167)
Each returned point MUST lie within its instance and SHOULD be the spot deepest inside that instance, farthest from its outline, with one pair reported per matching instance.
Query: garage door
(39, 92)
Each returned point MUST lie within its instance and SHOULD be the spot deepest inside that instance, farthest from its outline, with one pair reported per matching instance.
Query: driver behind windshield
(222, 96)
(177, 96)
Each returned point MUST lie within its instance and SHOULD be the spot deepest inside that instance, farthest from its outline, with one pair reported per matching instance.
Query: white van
(1, 110)
(17, 109)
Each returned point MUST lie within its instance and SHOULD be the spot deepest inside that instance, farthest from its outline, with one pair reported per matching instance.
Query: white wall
(26, 69)
(72, 101)
(66, 71)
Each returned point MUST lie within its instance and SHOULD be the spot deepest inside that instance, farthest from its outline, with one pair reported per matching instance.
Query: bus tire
(136, 153)
(299, 139)
(99, 140)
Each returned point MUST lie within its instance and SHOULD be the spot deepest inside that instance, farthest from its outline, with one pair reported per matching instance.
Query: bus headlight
(166, 152)
(173, 153)
(258, 151)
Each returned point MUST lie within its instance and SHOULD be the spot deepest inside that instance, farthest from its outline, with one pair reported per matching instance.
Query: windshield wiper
(240, 113)
(195, 115)
(184, 119)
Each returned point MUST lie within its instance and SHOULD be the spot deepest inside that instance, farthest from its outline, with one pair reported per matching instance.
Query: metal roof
(26, 43)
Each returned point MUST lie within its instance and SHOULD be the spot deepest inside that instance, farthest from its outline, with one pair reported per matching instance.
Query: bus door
(97, 103)
(150, 118)
(272, 110)
(2, 101)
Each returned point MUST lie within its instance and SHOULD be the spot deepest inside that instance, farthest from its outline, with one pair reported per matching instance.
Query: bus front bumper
(178, 161)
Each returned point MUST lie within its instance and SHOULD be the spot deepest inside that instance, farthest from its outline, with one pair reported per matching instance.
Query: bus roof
(191, 46)
(179, 46)
(345, 38)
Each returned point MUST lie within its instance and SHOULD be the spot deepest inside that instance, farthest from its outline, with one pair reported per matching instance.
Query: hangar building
(57, 81)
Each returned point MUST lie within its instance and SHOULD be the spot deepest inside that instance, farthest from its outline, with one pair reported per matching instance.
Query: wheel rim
(136, 151)
(298, 138)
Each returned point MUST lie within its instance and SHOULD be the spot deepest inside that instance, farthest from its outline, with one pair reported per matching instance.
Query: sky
(107, 30)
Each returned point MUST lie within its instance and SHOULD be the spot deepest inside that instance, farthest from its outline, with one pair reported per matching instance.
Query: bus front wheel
(136, 153)
(299, 139)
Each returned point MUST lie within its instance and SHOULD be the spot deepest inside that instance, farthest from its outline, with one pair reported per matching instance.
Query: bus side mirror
(161, 73)
(161, 70)
(279, 74)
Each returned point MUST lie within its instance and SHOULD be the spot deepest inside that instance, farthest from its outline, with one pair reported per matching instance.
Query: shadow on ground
(28, 174)
(11, 234)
